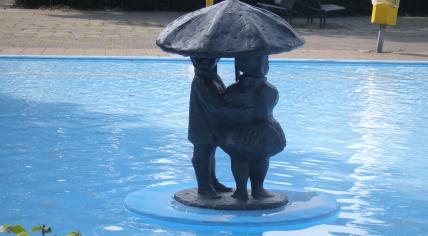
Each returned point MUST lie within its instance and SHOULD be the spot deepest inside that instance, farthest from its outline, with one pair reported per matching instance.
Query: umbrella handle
(209, 3)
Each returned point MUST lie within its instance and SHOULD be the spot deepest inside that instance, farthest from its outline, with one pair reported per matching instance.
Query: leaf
(36, 228)
(16, 229)
(23, 234)
(74, 233)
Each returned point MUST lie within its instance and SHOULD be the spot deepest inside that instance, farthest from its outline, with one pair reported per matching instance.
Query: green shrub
(18, 230)
(414, 7)
(354, 7)
(149, 5)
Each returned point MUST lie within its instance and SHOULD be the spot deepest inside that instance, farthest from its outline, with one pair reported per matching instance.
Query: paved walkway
(122, 33)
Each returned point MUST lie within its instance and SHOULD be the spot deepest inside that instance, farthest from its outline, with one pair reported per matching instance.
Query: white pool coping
(181, 59)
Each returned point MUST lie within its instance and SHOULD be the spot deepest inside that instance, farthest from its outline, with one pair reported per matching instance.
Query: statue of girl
(248, 132)
(256, 136)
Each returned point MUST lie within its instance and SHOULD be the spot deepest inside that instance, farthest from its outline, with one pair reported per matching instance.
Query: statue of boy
(202, 127)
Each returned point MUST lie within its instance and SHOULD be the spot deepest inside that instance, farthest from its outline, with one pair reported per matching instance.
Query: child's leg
(201, 164)
(258, 170)
(219, 187)
(240, 170)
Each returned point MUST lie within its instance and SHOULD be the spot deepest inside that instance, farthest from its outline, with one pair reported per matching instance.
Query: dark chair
(314, 9)
(284, 8)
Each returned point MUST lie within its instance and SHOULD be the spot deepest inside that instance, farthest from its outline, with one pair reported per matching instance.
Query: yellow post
(209, 2)
(384, 13)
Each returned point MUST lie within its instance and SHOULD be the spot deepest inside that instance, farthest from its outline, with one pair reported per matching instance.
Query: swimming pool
(79, 134)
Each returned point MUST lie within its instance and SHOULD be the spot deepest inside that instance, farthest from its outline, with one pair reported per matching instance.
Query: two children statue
(239, 120)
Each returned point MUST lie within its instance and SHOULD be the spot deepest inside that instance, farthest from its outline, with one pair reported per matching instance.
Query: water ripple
(78, 136)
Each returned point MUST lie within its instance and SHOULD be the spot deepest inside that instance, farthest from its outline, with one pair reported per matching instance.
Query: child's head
(254, 66)
(205, 64)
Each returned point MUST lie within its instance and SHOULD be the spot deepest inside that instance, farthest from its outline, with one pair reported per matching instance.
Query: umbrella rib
(213, 26)
(256, 26)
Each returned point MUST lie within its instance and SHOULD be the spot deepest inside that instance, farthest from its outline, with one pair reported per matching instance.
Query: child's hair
(204, 63)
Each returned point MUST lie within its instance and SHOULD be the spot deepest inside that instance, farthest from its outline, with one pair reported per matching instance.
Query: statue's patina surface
(237, 118)
(203, 131)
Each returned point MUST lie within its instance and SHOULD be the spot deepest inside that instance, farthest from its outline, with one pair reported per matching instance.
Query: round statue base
(156, 205)
(190, 197)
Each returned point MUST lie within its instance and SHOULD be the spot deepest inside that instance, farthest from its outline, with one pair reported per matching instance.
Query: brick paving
(128, 33)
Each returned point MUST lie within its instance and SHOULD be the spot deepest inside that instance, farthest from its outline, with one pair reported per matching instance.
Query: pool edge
(181, 59)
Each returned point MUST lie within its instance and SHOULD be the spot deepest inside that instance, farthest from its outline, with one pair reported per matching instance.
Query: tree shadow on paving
(128, 18)
(408, 29)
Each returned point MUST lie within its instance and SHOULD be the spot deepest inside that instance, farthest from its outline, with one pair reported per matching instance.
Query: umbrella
(229, 29)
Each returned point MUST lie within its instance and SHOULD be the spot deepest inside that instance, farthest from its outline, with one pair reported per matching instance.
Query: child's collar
(251, 80)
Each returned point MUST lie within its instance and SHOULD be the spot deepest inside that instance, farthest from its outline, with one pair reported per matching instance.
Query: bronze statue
(238, 118)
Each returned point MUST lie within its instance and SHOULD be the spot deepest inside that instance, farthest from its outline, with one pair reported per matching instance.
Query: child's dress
(256, 134)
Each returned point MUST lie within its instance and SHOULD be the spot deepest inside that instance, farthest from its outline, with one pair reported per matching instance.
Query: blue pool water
(78, 135)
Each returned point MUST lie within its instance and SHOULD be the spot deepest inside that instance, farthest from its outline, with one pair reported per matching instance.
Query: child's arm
(213, 101)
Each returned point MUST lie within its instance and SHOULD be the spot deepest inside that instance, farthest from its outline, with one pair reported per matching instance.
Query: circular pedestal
(304, 209)
(191, 197)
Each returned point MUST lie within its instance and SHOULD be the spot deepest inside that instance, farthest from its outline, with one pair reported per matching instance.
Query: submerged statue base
(155, 205)
(190, 197)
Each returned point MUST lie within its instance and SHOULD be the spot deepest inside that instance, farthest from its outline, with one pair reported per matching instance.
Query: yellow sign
(209, 2)
(385, 12)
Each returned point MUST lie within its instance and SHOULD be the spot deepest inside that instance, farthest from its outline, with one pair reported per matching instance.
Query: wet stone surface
(190, 197)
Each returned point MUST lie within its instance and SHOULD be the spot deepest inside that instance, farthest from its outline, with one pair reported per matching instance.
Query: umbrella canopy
(229, 29)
